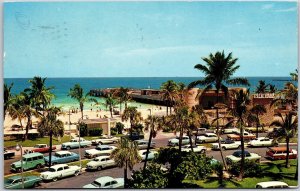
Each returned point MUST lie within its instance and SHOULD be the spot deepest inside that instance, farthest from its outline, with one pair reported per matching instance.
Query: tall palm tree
(287, 96)
(16, 109)
(169, 93)
(132, 114)
(123, 95)
(77, 93)
(200, 119)
(126, 156)
(218, 72)
(154, 124)
(288, 126)
(7, 98)
(272, 88)
(50, 125)
(40, 94)
(240, 111)
(262, 87)
(110, 103)
(294, 75)
(258, 110)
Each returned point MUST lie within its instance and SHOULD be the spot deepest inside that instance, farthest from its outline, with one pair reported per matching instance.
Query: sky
(147, 39)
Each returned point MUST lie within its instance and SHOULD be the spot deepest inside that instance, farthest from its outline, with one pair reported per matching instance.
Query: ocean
(63, 85)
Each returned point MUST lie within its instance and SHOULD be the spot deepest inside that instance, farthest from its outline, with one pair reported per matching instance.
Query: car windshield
(52, 170)
(57, 155)
(96, 159)
(36, 146)
(9, 181)
(95, 183)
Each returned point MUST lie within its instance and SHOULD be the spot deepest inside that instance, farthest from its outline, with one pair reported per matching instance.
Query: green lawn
(83, 163)
(272, 171)
(31, 173)
(31, 143)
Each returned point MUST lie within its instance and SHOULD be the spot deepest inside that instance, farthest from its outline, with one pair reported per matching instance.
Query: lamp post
(19, 148)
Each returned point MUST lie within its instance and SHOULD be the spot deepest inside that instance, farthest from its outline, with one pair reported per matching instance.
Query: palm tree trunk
(50, 147)
(27, 127)
(125, 104)
(243, 152)
(257, 124)
(180, 138)
(218, 133)
(191, 142)
(125, 176)
(287, 152)
(148, 148)
(120, 108)
(167, 110)
(196, 137)
(81, 109)
(111, 112)
(131, 124)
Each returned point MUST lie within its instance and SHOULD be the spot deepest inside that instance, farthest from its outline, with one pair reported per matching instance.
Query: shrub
(138, 128)
(251, 169)
(113, 131)
(205, 125)
(95, 132)
(83, 129)
(120, 127)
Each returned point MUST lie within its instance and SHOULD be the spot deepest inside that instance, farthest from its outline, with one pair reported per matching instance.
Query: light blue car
(61, 157)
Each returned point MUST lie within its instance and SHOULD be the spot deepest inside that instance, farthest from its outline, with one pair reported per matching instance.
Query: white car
(261, 142)
(105, 140)
(99, 151)
(237, 156)
(74, 143)
(100, 163)
(59, 171)
(175, 141)
(151, 154)
(207, 138)
(272, 184)
(230, 130)
(227, 144)
(143, 144)
(196, 149)
(106, 182)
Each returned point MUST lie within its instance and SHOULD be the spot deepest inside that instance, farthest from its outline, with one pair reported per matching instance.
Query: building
(103, 123)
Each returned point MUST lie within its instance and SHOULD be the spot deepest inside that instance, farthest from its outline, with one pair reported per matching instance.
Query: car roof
(58, 166)
(104, 146)
(278, 148)
(32, 155)
(63, 152)
(259, 138)
(240, 152)
(210, 133)
(105, 179)
(272, 183)
(102, 157)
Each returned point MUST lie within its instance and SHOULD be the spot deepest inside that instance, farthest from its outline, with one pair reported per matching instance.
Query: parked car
(237, 156)
(30, 161)
(16, 127)
(227, 144)
(8, 154)
(280, 153)
(99, 151)
(253, 129)
(74, 143)
(175, 141)
(261, 142)
(42, 148)
(237, 137)
(151, 154)
(202, 131)
(230, 130)
(60, 171)
(134, 136)
(101, 162)
(272, 184)
(207, 138)
(15, 182)
(61, 157)
(106, 182)
(196, 148)
(105, 140)
(143, 144)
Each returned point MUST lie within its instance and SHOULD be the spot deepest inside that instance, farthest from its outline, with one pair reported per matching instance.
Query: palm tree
(287, 96)
(110, 103)
(288, 126)
(272, 88)
(16, 109)
(7, 98)
(262, 87)
(294, 75)
(51, 126)
(201, 117)
(154, 124)
(218, 72)
(77, 93)
(169, 93)
(40, 94)
(240, 111)
(126, 156)
(258, 110)
(131, 113)
(123, 95)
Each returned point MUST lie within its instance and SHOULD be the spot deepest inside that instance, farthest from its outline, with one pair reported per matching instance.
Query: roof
(32, 155)
(101, 157)
(98, 120)
(210, 133)
(104, 178)
(278, 148)
(58, 166)
(103, 146)
(63, 152)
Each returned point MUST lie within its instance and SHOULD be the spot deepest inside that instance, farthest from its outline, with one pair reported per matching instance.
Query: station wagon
(30, 161)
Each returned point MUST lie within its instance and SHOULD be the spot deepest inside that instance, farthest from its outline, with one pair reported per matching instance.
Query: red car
(280, 153)
(42, 148)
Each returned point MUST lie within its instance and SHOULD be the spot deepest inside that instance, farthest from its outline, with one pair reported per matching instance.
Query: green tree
(240, 111)
(294, 75)
(7, 98)
(126, 156)
(288, 127)
(151, 177)
(50, 125)
(258, 110)
(131, 113)
(120, 127)
(154, 124)
(16, 109)
(218, 72)
(77, 93)
(169, 93)
(40, 94)
(272, 88)
(110, 103)
(123, 95)
(262, 87)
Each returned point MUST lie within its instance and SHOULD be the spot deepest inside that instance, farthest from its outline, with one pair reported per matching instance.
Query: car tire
(76, 173)
(99, 168)
(202, 151)
(239, 147)
(38, 166)
(54, 179)
(224, 148)
(36, 184)
(68, 148)
(19, 170)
